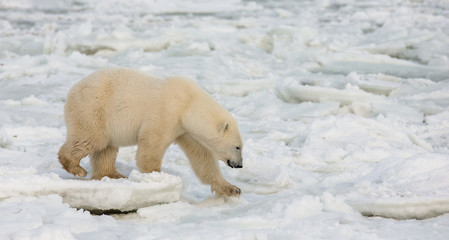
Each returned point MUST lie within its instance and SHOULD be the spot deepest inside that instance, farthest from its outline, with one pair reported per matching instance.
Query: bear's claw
(237, 191)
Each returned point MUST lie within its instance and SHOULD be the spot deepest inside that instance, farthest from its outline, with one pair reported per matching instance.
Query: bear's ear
(223, 127)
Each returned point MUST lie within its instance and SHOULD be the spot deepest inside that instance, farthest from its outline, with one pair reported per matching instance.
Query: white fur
(120, 107)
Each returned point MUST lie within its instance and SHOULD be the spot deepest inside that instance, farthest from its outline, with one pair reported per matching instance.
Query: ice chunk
(363, 62)
(419, 208)
(139, 190)
(5, 139)
(33, 101)
(430, 99)
(361, 102)
(291, 92)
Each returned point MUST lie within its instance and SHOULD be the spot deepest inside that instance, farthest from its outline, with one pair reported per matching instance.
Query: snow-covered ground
(343, 106)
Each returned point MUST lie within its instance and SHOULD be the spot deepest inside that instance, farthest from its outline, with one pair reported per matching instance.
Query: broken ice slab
(137, 191)
(366, 63)
(402, 208)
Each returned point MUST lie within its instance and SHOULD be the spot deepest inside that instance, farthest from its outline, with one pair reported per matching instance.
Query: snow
(343, 107)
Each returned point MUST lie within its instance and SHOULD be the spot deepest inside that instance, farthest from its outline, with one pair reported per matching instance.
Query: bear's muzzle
(234, 165)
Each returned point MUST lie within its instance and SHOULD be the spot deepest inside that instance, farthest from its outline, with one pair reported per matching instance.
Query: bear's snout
(234, 165)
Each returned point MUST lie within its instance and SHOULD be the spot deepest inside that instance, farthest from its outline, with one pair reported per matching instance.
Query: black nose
(233, 165)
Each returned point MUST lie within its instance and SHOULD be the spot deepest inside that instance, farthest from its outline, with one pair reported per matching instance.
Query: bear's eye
(238, 148)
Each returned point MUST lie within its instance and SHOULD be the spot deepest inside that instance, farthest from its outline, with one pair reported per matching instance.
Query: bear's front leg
(150, 151)
(149, 159)
(206, 166)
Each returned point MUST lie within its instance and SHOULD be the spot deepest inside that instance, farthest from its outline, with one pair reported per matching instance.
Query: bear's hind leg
(103, 163)
(70, 155)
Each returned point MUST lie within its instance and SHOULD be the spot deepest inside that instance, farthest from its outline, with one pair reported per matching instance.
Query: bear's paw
(226, 190)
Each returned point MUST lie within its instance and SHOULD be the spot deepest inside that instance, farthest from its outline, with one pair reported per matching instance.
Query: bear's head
(219, 133)
(212, 126)
(228, 146)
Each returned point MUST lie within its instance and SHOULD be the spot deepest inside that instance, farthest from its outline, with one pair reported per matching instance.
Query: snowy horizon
(343, 108)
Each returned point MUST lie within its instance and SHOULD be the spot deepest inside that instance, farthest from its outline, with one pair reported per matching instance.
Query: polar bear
(121, 107)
